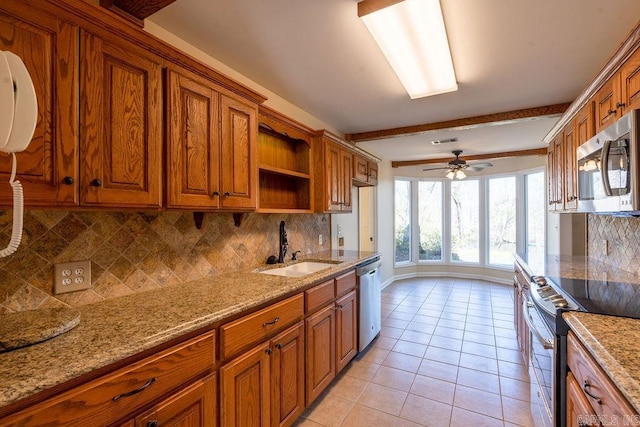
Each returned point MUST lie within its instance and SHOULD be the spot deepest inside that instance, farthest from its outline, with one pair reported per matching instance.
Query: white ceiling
(318, 55)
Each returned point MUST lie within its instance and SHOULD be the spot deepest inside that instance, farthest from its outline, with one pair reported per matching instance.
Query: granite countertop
(118, 328)
(613, 343)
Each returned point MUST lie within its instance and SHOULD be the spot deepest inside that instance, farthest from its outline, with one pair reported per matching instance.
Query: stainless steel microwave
(608, 169)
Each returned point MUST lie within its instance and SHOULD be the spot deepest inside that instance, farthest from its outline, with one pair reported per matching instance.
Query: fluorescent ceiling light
(412, 36)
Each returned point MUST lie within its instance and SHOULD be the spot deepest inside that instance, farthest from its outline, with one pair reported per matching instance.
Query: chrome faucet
(283, 243)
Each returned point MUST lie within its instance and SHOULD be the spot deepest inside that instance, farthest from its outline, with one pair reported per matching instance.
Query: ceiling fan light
(451, 174)
(461, 175)
(412, 36)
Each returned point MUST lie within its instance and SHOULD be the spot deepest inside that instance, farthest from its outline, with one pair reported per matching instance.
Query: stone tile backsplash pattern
(623, 236)
(133, 251)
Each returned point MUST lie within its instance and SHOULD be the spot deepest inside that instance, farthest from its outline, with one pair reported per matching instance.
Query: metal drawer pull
(136, 391)
(546, 344)
(273, 322)
(587, 386)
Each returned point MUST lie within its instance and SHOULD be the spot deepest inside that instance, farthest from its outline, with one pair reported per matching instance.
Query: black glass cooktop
(603, 297)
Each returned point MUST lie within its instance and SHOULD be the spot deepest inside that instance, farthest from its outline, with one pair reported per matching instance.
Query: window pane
(430, 220)
(465, 208)
(502, 220)
(535, 211)
(403, 221)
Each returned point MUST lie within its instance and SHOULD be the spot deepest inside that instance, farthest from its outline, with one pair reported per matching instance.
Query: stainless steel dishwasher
(369, 302)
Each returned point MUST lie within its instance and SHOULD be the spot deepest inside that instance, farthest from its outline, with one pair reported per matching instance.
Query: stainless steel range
(548, 298)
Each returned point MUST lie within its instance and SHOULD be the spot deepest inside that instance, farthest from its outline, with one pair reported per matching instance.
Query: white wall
(348, 225)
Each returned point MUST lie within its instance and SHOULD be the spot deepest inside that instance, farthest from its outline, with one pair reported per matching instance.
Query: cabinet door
(320, 357)
(333, 177)
(239, 152)
(346, 160)
(630, 79)
(559, 171)
(193, 406)
(287, 376)
(346, 330)
(245, 389)
(120, 124)
(584, 124)
(606, 100)
(193, 150)
(373, 173)
(48, 46)
(551, 176)
(570, 168)
(579, 412)
(360, 169)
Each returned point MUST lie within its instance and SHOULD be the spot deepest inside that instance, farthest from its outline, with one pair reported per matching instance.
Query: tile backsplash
(134, 251)
(623, 239)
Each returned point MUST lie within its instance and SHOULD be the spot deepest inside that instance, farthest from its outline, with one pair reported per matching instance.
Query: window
(481, 220)
(502, 220)
(535, 214)
(402, 221)
(465, 223)
(430, 220)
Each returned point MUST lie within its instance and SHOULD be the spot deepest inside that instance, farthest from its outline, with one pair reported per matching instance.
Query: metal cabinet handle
(268, 351)
(278, 346)
(585, 388)
(153, 423)
(546, 344)
(610, 112)
(226, 193)
(136, 391)
(216, 193)
(96, 183)
(620, 105)
(68, 180)
(273, 322)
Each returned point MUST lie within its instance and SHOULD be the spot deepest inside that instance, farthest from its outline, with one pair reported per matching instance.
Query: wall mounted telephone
(18, 117)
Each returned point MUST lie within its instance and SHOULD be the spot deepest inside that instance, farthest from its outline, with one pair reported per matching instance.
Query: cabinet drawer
(585, 369)
(319, 296)
(345, 283)
(255, 327)
(107, 399)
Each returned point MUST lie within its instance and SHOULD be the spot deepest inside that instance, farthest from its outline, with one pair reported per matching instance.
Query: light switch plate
(71, 277)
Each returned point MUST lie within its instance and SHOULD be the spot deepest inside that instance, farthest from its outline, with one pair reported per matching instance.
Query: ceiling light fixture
(412, 36)
(456, 174)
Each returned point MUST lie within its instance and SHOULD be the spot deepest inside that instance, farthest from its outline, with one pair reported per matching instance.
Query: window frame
(483, 218)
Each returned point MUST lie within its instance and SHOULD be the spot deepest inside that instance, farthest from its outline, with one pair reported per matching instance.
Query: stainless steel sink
(298, 270)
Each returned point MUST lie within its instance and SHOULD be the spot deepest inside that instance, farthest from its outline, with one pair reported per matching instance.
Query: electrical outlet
(340, 241)
(71, 276)
(320, 239)
(606, 247)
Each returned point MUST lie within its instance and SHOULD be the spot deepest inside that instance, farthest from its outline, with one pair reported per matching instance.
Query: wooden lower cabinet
(321, 344)
(579, 412)
(265, 386)
(195, 406)
(346, 330)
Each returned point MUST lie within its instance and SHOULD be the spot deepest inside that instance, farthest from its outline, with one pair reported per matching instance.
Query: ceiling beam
(532, 152)
(461, 124)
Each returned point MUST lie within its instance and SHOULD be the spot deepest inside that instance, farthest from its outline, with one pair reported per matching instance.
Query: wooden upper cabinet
(365, 172)
(239, 152)
(630, 80)
(584, 124)
(120, 124)
(333, 175)
(620, 94)
(48, 46)
(193, 143)
(570, 184)
(211, 146)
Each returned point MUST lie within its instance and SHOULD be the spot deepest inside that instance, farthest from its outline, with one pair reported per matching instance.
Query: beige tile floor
(446, 356)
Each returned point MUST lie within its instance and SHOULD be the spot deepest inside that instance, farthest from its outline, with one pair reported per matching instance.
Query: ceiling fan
(457, 166)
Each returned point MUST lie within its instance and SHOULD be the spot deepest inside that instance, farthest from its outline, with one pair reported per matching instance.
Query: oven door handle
(546, 344)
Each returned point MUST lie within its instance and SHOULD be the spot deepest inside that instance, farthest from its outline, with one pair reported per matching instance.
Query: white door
(366, 219)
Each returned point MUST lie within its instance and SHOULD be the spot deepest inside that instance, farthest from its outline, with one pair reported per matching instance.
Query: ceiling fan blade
(436, 169)
(474, 168)
(481, 164)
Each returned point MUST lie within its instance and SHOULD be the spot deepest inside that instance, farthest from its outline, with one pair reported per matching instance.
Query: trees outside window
(402, 219)
(502, 220)
(465, 221)
(430, 220)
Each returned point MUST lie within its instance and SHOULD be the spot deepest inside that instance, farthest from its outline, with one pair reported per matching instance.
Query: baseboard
(498, 280)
